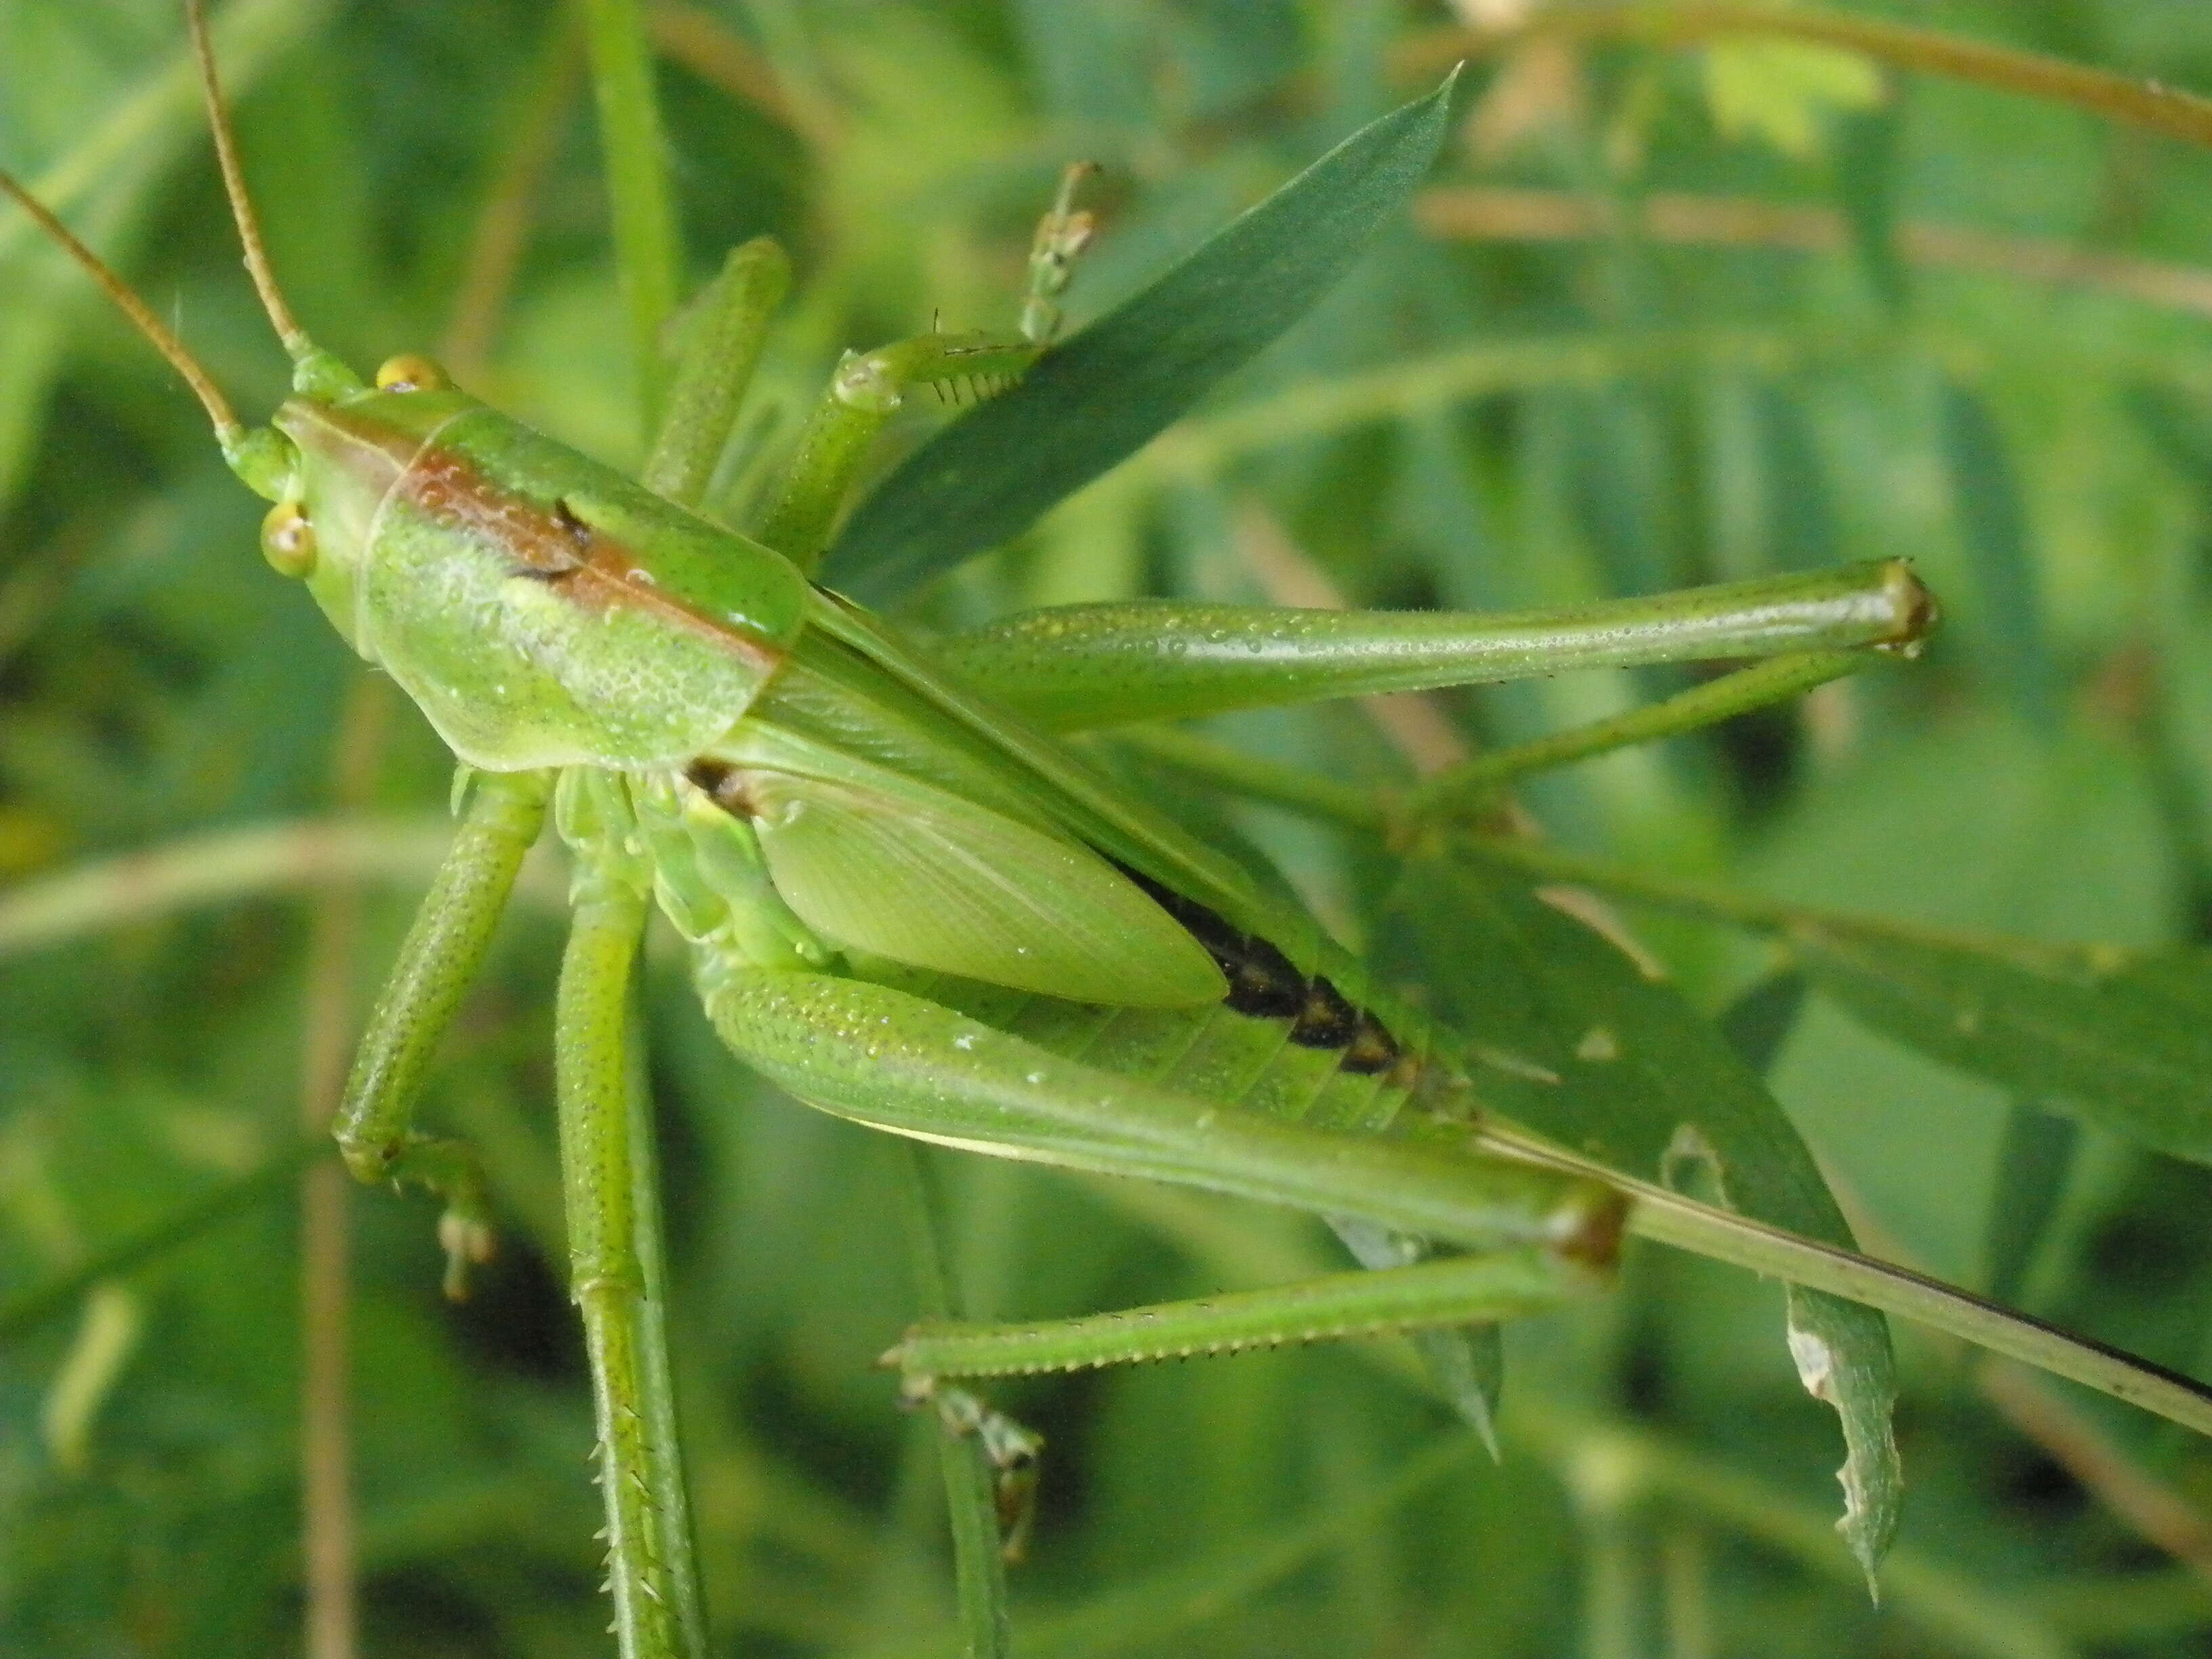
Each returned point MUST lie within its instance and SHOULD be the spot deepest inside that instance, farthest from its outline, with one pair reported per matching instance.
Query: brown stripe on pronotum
(555, 545)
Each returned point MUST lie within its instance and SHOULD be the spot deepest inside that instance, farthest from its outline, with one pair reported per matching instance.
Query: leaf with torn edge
(1571, 1029)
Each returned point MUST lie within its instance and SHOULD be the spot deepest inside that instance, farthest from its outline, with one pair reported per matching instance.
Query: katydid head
(281, 461)
(511, 586)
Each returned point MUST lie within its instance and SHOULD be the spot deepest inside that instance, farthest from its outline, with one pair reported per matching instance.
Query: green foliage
(1988, 869)
(1602, 1055)
(1119, 384)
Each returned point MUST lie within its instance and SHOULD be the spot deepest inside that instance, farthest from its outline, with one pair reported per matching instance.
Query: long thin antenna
(227, 426)
(241, 206)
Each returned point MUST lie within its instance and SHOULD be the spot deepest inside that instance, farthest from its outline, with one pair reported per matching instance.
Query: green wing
(922, 876)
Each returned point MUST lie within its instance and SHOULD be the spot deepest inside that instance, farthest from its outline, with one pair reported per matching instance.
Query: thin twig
(2104, 1469)
(327, 1530)
(502, 228)
(709, 48)
(1492, 214)
(233, 864)
(2150, 105)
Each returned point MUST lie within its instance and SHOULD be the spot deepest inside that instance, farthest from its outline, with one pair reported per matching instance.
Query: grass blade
(1102, 397)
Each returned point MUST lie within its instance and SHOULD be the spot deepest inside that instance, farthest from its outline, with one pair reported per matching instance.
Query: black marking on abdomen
(1373, 1049)
(1264, 984)
(1327, 1020)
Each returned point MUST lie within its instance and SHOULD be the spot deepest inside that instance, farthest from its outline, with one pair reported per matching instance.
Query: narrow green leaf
(2123, 1037)
(1106, 393)
(2037, 1157)
(1866, 153)
(1575, 1038)
(1993, 522)
(1801, 533)
(1759, 1021)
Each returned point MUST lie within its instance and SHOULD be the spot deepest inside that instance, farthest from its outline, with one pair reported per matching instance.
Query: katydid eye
(288, 540)
(411, 372)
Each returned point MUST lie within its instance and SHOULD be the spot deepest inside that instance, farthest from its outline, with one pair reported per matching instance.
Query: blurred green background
(1664, 316)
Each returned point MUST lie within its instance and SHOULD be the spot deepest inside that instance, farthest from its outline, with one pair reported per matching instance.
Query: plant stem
(1478, 213)
(57, 1295)
(1706, 900)
(326, 1501)
(227, 864)
(979, 1562)
(1204, 446)
(534, 121)
(1937, 1598)
(1257, 778)
(1671, 1218)
(2147, 104)
(647, 252)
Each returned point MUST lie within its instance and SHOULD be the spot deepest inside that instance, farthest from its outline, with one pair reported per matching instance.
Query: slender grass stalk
(165, 107)
(540, 110)
(979, 1563)
(30, 1309)
(2149, 104)
(1202, 446)
(646, 254)
(1707, 900)
(1604, 1488)
(1253, 776)
(1671, 1218)
(1928, 1592)
(233, 864)
(1496, 214)
(332, 1612)
(1158, 1608)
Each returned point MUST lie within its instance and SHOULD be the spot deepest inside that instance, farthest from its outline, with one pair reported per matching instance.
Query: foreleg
(439, 959)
